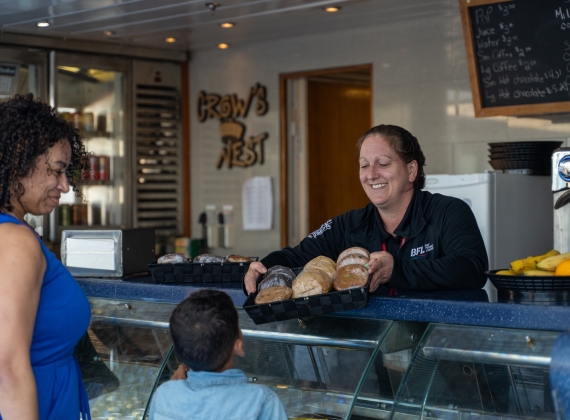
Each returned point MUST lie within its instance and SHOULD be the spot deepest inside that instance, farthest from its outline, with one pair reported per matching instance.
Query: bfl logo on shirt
(421, 251)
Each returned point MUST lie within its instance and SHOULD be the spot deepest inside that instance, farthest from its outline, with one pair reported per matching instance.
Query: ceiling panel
(148, 22)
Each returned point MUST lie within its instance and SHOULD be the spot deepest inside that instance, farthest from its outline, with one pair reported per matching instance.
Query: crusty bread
(310, 282)
(277, 276)
(353, 250)
(237, 258)
(208, 258)
(324, 264)
(352, 259)
(281, 271)
(273, 294)
(172, 259)
(352, 275)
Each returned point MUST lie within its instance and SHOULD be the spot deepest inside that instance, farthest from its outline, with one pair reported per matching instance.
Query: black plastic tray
(529, 283)
(327, 303)
(526, 144)
(197, 273)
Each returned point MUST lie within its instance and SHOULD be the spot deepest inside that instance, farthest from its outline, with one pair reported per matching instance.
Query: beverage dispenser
(561, 191)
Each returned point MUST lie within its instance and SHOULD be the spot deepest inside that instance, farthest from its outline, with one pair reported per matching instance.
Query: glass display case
(331, 367)
(316, 366)
(467, 372)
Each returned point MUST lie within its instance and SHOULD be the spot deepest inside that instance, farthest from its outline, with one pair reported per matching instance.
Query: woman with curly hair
(43, 311)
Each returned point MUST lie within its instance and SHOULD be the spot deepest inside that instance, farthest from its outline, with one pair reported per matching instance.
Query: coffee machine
(561, 191)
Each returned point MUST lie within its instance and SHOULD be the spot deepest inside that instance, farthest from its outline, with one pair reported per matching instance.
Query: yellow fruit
(506, 273)
(530, 263)
(538, 273)
(550, 263)
(563, 268)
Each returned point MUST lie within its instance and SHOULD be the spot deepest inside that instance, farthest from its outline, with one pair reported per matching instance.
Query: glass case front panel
(94, 101)
(127, 363)
(461, 372)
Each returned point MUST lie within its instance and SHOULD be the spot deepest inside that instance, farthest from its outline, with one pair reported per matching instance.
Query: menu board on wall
(518, 55)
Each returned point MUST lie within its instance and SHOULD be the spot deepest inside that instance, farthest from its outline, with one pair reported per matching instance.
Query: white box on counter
(107, 253)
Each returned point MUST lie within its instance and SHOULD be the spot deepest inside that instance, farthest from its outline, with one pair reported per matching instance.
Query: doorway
(323, 113)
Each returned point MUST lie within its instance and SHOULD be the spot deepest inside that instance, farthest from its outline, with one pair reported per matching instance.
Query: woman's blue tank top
(63, 317)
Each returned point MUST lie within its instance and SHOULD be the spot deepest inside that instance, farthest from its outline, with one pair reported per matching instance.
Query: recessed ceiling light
(332, 9)
(42, 24)
(223, 46)
(171, 39)
(227, 25)
(108, 33)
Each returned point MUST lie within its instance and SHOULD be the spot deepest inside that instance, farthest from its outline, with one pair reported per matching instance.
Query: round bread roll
(273, 294)
(280, 276)
(352, 275)
(324, 264)
(310, 282)
(353, 250)
(208, 258)
(280, 270)
(352, 259)
(172, 259)
(237, 258)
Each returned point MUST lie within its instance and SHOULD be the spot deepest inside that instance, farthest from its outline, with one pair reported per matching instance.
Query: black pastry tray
(529, 283)
(302, 307)
(199, 273)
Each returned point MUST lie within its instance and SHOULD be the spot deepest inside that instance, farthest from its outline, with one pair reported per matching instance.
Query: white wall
(420, 82)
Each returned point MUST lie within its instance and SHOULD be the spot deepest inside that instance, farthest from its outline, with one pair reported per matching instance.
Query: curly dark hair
(404, 144)
(28, 128)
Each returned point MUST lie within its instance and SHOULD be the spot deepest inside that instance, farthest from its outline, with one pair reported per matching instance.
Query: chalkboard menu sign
(518, 55)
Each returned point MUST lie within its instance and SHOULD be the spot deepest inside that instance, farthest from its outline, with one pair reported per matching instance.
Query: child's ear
(238, 348)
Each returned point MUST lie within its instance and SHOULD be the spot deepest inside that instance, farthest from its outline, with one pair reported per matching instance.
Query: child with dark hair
(206, 335)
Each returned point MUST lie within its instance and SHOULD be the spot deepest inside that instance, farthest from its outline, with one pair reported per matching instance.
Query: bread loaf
(353, 250)
(172, 259)
(280, 270)
(208, 258)
(277, 276)
(237, 258)
(352, 259)
(310, 282)
(324, 264)
(348, 276)
(273, 294)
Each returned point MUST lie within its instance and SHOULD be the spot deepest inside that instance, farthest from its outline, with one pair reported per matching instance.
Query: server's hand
(381, 266)
(255, 270)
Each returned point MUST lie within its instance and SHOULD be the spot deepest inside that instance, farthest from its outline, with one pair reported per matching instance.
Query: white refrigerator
(513, 211)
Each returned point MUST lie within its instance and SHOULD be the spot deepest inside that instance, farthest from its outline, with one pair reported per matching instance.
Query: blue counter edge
(454, 307)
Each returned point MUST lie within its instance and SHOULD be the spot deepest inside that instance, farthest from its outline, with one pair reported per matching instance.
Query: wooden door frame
(283, 161)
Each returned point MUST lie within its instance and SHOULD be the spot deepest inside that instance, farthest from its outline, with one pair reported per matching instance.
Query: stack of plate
(529, 157)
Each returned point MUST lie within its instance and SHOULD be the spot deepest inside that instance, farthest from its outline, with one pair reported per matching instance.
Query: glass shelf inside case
(461, 372)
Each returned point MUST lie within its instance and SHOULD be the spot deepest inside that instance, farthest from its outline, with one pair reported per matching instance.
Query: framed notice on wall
(518, 55)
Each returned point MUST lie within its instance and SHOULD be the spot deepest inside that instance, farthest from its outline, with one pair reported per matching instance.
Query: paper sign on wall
(257, 203)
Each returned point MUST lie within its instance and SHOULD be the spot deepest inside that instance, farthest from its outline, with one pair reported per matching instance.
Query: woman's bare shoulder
(18, 241)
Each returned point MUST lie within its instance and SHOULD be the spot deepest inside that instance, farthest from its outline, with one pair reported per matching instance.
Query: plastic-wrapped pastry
(172, 259)
(352, 259)
(277, 276)
(237, 258)
(348, 276)
(323, 263)
(273, 294)
(353, 250)
(311, 281)
(208, 258)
